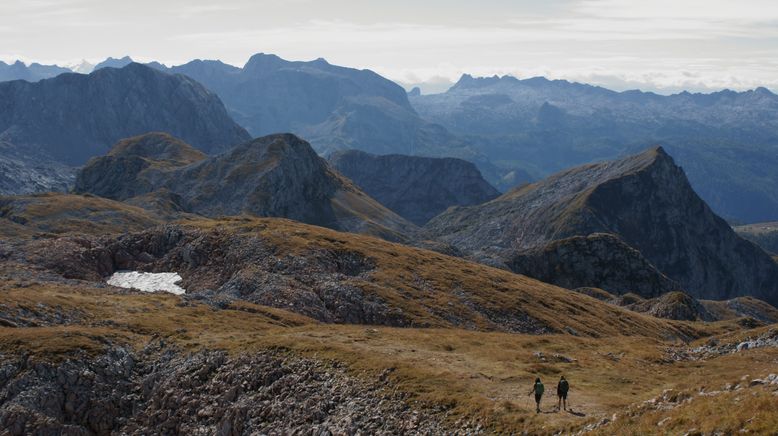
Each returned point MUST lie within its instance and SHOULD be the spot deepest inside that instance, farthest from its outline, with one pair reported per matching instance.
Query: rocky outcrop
(416, 188)
(644, 199)
(73, 117)
(277, 175)
(159, 390)
(136, 166)
(599, 260)
(742, 307)
(674, 305)
(328, 276)
(329, 285)
(683, 307)
(22, 172)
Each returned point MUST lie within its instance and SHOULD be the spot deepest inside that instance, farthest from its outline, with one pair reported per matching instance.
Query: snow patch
(147, 282)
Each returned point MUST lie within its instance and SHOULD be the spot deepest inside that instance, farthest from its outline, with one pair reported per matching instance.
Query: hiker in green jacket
(561, 392)
(538, 389)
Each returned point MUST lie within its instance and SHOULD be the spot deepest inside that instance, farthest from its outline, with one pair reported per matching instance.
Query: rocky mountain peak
(111, 62)
(644, 199)
(277, 175)
(262, 62)
(73, 117)
(275, 147)
(467, 81)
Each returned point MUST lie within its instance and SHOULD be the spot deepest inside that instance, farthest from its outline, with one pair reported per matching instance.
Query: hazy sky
(663, 45)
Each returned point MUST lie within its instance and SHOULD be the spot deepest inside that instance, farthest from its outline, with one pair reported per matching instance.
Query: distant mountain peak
(73, 117)
(262, 61)
(114, 63)
(467, 81)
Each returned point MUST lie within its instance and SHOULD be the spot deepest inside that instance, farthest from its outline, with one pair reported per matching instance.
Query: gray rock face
(21, 173)
(161, 391)
(719, 138)
(73, 117)
(270, 95)
(416, 188)
(277, 175)
(644, 199)
(598, 260)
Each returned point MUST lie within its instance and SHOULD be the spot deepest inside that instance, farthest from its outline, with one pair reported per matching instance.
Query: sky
(659, 45)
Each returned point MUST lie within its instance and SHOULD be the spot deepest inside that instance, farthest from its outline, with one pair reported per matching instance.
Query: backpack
(539, 388)
(563, 386)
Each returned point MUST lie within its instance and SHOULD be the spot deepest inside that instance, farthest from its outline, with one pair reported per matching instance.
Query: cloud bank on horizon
(662, 45)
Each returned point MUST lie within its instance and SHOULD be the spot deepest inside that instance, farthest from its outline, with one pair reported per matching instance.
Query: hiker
(538, 389)
(561, 392)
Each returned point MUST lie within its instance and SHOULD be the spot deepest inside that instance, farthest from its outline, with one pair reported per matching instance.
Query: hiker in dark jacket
(561, 392)
(538, 389)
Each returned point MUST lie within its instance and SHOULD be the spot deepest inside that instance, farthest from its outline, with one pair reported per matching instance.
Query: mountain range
(514, 130)
(31, 73)
(333, 107)
(726, 141)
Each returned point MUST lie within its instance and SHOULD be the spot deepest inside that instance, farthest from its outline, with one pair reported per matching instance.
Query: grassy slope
(64, 213)
(431, 286)
(478, 375)
(749, 305)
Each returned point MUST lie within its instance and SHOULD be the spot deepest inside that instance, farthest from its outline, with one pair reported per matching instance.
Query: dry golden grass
(478, 375)
(429, 286)
(178, 152)
(752, 410)
(619, 359)
(721, 309)
(57, 213)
